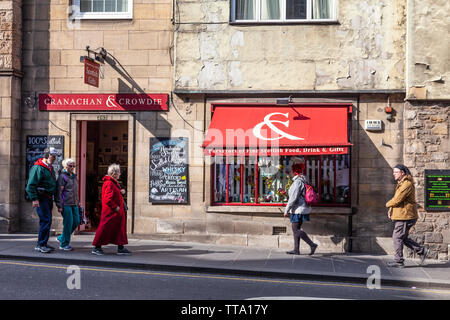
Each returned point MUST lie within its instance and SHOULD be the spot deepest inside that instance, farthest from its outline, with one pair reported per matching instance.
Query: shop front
(252, 149)
(102, 130)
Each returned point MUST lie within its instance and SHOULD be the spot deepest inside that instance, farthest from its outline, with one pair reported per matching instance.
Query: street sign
(91, 72)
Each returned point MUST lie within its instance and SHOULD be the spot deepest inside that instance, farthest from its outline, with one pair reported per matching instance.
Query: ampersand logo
(111, 103)
(270, 123)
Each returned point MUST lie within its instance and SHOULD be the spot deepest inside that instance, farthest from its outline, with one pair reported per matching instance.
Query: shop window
(104, 9)
(266, 180)
(282, 10)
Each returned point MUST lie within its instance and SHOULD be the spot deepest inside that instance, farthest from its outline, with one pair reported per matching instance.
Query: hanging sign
(91, 72)
(437, 190)
(169, 176)
(103, 102)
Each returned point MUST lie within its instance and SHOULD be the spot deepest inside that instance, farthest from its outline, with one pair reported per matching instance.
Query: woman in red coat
(112, 228)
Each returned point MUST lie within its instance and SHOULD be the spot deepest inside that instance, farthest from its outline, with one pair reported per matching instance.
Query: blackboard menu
(437, 190)
(35, 150)
(169, 176)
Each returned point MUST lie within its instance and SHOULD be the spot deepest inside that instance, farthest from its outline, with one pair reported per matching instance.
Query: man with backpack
(41, 188)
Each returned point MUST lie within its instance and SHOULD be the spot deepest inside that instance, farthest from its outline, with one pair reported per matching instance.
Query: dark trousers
(44, 212)
(300, 234)
(400, 237)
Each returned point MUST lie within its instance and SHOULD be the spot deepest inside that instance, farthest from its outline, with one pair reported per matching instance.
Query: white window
(103, 9)
(283, 10)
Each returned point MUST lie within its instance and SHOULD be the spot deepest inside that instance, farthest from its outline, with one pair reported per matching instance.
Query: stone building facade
(367, 56)
(10, 125)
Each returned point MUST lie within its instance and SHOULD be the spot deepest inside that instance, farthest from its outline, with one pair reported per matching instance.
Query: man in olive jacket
(403, 211)
(41, 188)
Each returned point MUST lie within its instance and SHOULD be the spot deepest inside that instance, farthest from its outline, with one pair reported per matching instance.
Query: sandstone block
(220, 227)
(169, 226)
(433, 237)
(440, 129)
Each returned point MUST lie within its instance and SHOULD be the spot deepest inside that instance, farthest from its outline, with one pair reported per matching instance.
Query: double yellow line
(165, 274)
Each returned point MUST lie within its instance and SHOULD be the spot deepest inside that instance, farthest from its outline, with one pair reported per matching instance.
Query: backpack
(310, 196)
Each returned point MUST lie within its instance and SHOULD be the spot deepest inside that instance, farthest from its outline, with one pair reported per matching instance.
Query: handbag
(83, 219)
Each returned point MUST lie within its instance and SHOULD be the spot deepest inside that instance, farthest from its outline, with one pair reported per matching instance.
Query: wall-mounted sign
(103, 102)
(169, 174)
(373, 125)
(91, 72)
(35, 146)
(437, 190)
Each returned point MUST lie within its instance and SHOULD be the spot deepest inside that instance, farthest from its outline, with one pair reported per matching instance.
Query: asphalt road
(28, 280)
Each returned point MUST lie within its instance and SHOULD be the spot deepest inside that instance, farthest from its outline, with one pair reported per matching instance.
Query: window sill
(283, 23)
(104, 17)
(277, 210)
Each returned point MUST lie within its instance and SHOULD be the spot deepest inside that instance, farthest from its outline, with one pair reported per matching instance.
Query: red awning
(305, 129)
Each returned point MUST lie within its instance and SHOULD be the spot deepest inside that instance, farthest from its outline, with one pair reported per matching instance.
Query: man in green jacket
(403, 211)
(41, 188)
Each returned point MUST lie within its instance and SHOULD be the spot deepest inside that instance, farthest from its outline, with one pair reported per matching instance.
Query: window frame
(103, 15)
(283, 19)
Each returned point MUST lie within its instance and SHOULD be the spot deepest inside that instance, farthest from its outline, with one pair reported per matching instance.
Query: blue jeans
(71, 221)
(44, 212)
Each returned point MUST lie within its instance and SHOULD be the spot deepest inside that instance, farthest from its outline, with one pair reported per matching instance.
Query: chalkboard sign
(437, 190)
(35, 150)
(169, 176)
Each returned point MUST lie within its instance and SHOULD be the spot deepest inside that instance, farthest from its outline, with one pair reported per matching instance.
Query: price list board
(437, 190)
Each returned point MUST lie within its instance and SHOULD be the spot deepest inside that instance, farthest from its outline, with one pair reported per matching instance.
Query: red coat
(112, 228)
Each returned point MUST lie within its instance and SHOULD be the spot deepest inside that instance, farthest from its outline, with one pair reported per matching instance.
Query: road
(30, 280)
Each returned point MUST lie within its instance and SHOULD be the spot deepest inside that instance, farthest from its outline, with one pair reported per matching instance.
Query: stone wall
(10, 95)
(427, 146)
(52, 47)
(364, 49)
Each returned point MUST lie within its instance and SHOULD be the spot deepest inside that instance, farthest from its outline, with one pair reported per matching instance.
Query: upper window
(104, 9)
(282, 10)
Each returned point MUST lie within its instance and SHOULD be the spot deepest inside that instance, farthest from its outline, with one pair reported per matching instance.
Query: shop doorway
(102, 143)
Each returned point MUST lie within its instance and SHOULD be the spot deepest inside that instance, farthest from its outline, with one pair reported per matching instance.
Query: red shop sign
(91, 72)
(103, 102)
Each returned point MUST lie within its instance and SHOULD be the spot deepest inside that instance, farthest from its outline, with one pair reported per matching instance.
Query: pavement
(188, 257)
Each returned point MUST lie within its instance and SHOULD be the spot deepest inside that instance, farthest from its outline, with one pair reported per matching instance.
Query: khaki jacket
(403, 203)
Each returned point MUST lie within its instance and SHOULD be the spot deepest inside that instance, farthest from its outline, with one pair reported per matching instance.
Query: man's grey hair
(113, 169)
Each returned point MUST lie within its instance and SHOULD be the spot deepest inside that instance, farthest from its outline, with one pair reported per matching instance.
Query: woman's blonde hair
(67, 161)
(113, 169)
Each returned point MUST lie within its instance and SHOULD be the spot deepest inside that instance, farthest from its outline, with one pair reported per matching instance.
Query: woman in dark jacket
(297, 209)
(112, 228)
(67, 202)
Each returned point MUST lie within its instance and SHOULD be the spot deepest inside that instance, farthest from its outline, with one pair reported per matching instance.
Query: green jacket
(43, 177)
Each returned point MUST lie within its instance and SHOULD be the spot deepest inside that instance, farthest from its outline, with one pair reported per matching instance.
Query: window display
(265, 180)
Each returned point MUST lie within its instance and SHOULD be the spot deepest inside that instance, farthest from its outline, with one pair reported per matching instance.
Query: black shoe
(297, 253)
(97, 251)
(313, 249)
(50, 247)
(423, 255)
(123, 252)
(395, 264)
